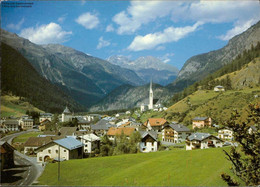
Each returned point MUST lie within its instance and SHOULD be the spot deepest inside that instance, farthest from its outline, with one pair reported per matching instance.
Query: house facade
(225, 134)
(202, 141)
(44, 125)
(62, 149)
(44, 116)
(11, 125)
(219, 88)
(90, 141)
(175, 133)
(26, 124)
(148, 142)
(201, 122)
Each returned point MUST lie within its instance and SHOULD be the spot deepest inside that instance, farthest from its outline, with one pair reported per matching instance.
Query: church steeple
(151, 96)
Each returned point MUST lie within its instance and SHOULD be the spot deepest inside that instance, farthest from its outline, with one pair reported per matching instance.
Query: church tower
(150, 106)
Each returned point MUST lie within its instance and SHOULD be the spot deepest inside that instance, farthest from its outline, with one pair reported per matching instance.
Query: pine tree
(245, 158)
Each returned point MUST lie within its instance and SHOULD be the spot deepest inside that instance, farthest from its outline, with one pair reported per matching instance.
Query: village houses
(202, 141)
(201, 122)
(90, 141)
(44, 116)
(225, 134)
(175, 133)
(62, 149)
(219, 88)
(44, 124)
(148, 142)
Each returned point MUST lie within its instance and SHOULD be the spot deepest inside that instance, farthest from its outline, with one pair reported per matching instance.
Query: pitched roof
(102, 122)
(153, 134)
(125, 124)
(11, 122)
(90, 137)
(44, 122)
(69, 143)
(199, 136)
(68, 131)
(200, 118)
(27, 120)
(179, 128)
(118, 130)
(156, 121)
(45, 114)
(66, 111)
(5, 143)
(40, 141)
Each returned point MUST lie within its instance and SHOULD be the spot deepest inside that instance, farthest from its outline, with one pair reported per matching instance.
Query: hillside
(15, 106)
(19, 78)
(199, 66)
(148, 67)
(127, 97)
(167, 168)
(217, 105)
(247, 77)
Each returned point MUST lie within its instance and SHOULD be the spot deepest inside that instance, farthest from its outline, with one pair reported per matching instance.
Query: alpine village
(71, 119)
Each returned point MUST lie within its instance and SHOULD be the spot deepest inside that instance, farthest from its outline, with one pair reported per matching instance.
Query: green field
(24, 137)
(217, 105)
(166, 168)
(13, 106)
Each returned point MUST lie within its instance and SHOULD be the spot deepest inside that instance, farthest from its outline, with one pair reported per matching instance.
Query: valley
(130, 93)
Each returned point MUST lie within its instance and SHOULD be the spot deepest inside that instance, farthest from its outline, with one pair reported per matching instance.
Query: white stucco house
(148, 142)
(202, 141)
(225, 134)
(90, 141)
(62, 149)
(219, 88)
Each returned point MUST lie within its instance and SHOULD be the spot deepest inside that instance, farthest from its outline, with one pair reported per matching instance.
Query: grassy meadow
(24, 137)
(218, 105)
(12, 106)
(167, 168)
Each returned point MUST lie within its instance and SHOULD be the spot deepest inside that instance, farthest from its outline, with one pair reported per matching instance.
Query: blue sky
(170, 30)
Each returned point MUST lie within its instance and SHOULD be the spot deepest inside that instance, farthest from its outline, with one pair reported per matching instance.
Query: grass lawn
(24, 137)
(166, 168)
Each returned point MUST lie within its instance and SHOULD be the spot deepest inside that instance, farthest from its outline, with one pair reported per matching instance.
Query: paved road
(26, 170)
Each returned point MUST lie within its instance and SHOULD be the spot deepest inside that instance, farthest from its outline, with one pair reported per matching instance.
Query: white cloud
(160, 48)
(62, 18)
(16, 26)
(170, 34)
(45, 34)
(238, 28)
(102, 43)
(166, 58)
(110, 28)
(88, 20)
(142, 12)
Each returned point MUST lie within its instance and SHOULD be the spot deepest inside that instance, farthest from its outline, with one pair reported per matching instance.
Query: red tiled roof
(118, 130)
(156, 121)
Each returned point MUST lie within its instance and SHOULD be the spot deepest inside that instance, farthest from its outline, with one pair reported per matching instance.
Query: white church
(153, 104)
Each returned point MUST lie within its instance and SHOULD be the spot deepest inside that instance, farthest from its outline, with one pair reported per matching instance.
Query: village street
(26, 169)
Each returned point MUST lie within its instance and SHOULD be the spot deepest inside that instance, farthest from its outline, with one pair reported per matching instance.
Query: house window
(57, 151)
(143, 149)
(152, 149)
(40, 158)
(49, 151)
(86, 150)
(65, 150)
(152, 143)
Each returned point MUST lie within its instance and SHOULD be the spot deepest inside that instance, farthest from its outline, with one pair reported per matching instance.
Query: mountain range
(144, 67)
(199, 66)
(118, 82)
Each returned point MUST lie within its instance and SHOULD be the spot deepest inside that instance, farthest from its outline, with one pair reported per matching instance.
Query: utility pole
(59, 165)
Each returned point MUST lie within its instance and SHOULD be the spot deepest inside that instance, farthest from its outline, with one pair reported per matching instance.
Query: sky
(172, 31)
